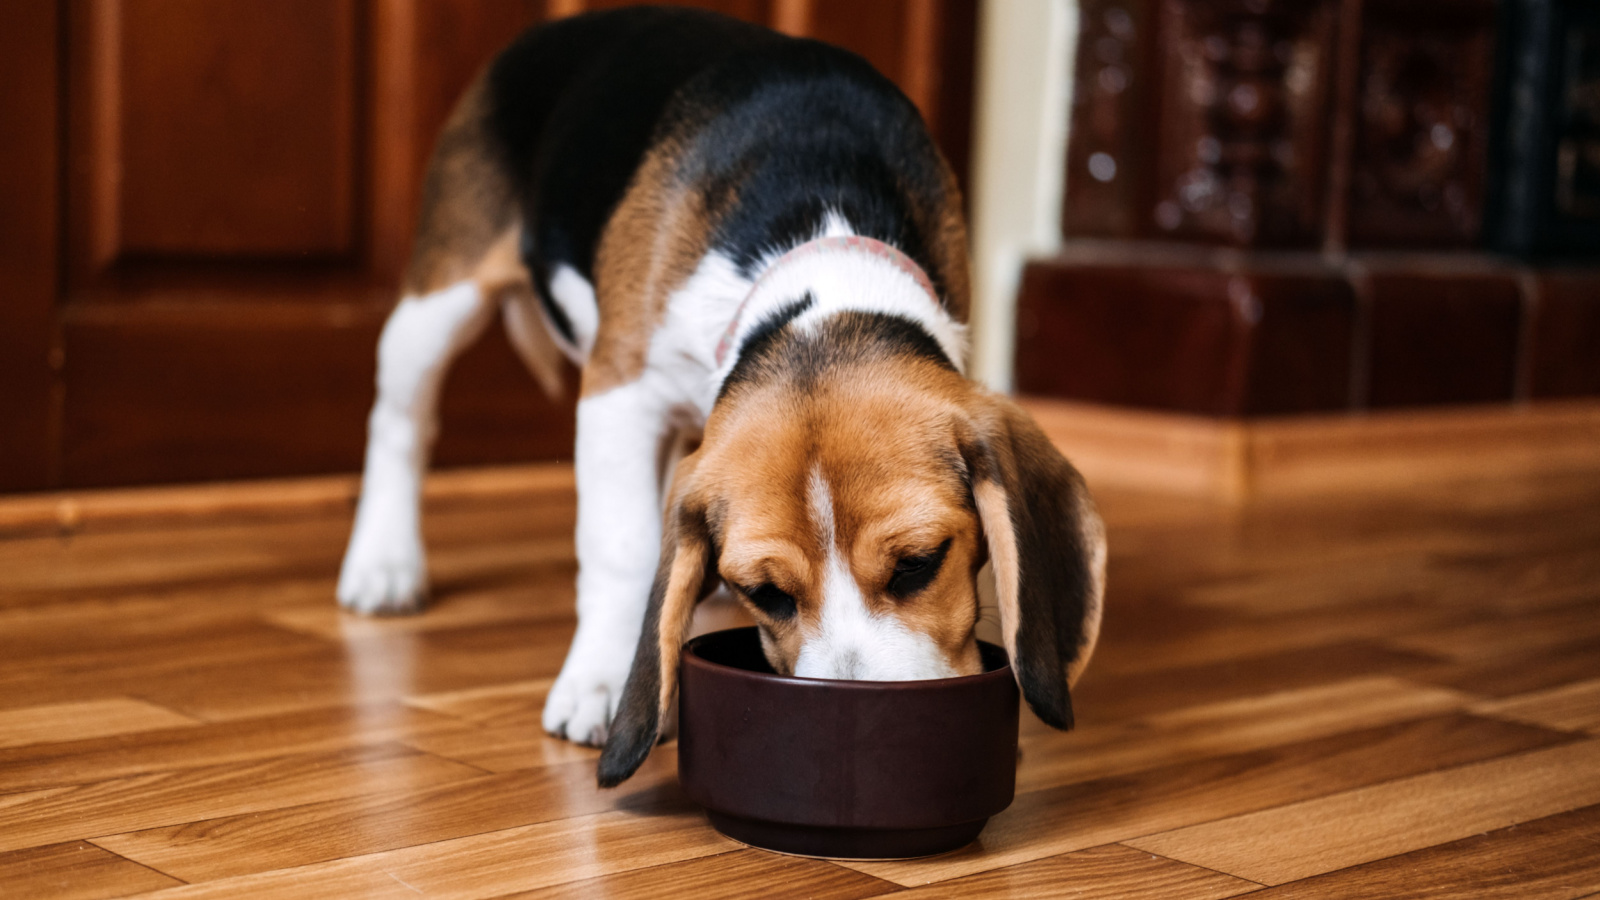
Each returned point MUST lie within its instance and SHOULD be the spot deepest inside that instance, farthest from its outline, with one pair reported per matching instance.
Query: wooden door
(207, 205)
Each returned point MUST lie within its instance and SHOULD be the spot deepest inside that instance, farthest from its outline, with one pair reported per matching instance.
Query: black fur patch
(576, 103)
(780, 354)
(779, 131)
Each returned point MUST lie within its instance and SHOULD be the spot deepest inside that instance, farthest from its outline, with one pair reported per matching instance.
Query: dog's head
(849, 502)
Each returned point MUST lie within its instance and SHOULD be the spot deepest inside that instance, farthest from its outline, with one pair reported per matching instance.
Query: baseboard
(1251, 459)
(1196, 456)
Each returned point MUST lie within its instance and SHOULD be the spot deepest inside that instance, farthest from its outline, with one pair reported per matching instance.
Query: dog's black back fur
(781, 130)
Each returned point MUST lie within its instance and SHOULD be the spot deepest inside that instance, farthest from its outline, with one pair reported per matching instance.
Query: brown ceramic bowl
(843, 769)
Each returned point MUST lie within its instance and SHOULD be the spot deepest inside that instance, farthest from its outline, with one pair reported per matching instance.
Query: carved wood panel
(1219, 121)
(1421, 123)
(1245, 102)
(1108, 157)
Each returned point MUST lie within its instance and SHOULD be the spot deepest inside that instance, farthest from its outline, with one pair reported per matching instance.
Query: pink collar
(852, 243)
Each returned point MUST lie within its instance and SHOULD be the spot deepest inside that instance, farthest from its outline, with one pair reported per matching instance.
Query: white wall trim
(1025, 65)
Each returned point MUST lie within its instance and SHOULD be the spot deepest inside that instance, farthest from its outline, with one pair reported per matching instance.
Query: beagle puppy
(751, 247)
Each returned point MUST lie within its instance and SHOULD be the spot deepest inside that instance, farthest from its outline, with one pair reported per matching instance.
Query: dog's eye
(914, 573)
(772, 601)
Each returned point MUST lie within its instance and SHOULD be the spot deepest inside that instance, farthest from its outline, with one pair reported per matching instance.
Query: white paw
(584, 698)
(384, 572)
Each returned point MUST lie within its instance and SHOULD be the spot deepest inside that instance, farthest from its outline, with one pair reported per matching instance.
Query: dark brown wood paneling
(29, 219)
(1109, 156)
(1301, 348)
(1166, 339)
(1194, 339)
(1241, 154)
(1565, 345)
(1421, 123)
(955, 66)
(1443, 338)
(219, 391)
(878, 31)
(223, 128)
(273, 391)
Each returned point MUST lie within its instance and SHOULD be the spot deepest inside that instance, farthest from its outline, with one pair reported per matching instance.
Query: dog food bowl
(843, 769)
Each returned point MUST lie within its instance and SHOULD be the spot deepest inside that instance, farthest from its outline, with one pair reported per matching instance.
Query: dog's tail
(470, 227)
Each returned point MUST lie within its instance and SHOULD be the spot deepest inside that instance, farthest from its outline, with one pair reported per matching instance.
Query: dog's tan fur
(468, 204)
(650, 247)
(894, 495)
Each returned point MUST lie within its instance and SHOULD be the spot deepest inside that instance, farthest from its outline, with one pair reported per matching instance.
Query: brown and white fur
(792, 427)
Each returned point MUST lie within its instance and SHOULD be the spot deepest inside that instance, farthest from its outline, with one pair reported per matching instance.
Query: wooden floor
(1340, 699)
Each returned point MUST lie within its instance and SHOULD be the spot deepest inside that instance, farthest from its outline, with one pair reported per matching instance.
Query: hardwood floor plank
(59, 722)
(164, 798)
(1553, 858)
(119, 656)
(181, 675)
(1112, 872)
(1572, 707)
(1230, 726)
(1211, 637)
(391, 817)
(505, 746)
(101, 759)
(46, 569)
(726, 876)
(1101, 698)
(487, 598)
(1513, 633)
(1299, 840)
(75, 871)
(377, 667)
(488, 865)
(489, 704)
(1518, 673)
(1078, 816)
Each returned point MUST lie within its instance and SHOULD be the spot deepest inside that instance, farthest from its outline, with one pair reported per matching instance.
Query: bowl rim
(692, 657)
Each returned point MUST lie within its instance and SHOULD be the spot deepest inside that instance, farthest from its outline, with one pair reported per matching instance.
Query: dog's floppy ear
(681, 579)
(1047, 547)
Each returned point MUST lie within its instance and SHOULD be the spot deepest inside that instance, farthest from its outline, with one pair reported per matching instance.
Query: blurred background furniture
(1333, 205)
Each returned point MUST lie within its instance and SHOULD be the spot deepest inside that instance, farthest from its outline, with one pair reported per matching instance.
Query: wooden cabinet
(205, 206)
(1288, 206)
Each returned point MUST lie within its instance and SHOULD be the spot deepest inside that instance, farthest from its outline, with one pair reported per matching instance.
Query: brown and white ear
(681, 580)
(1048, 549)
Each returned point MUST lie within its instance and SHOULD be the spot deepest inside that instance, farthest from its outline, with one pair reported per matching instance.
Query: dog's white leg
(384, 568)
(618, 468)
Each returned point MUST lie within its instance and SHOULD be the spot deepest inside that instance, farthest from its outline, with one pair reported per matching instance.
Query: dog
(751, 247)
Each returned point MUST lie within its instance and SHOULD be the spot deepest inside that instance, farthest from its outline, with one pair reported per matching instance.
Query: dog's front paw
(384, 572)
(584, 698)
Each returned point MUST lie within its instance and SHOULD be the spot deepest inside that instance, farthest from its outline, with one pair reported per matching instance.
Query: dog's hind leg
(464, 260)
